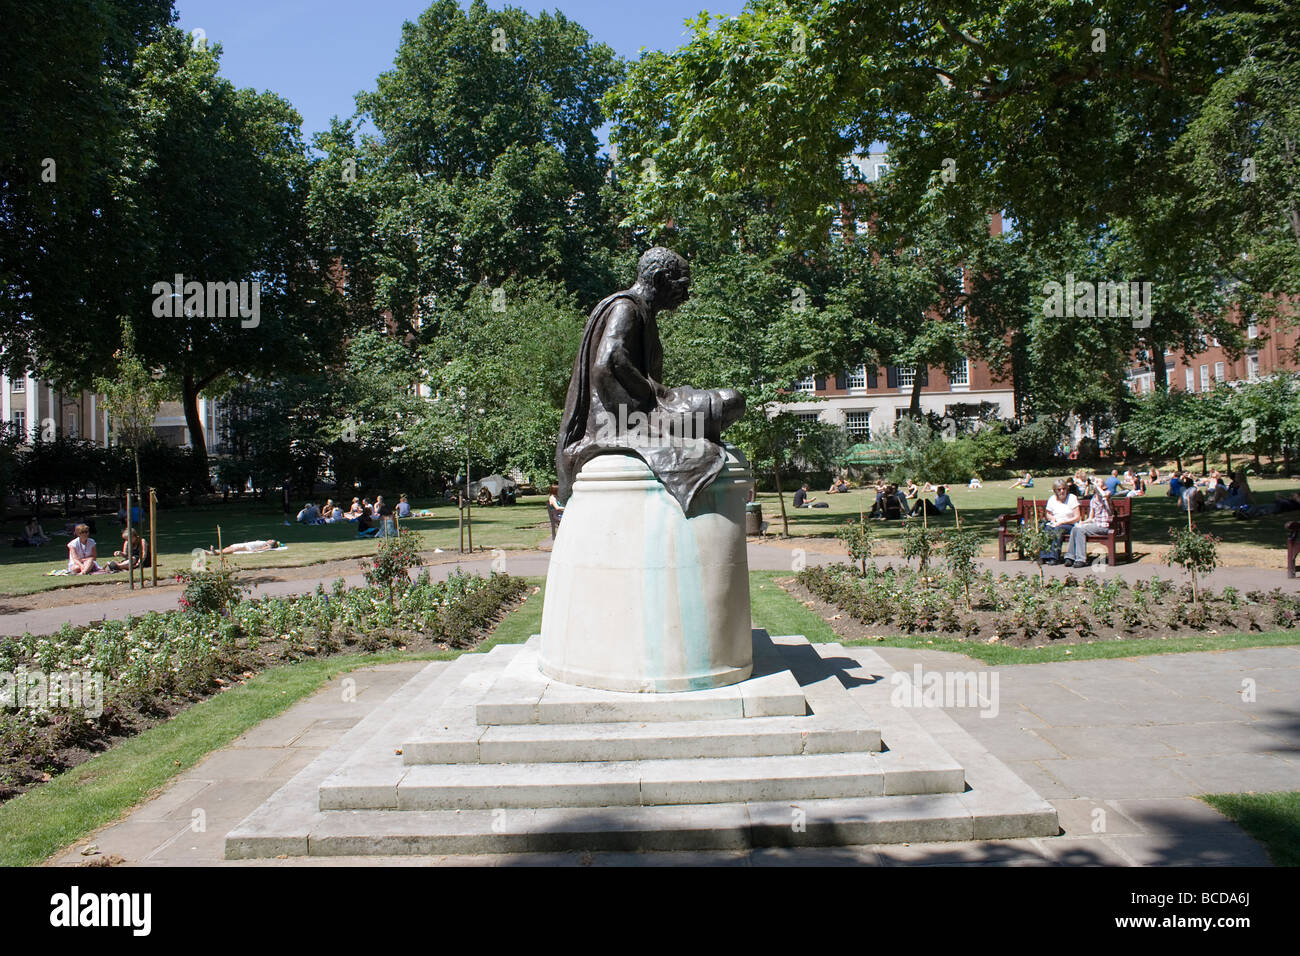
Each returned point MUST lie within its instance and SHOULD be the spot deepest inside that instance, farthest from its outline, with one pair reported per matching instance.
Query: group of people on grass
(83, 553)
(891, 501)
(1213, 492)
(371, 518)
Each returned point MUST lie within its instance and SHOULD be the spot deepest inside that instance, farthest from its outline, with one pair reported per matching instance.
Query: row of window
(903, 376)
(857, 424)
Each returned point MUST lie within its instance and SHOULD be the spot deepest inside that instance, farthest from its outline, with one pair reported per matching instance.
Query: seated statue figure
(616, 404)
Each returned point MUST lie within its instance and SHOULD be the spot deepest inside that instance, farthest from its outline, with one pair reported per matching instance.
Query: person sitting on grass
(134, 553)
(939, 506)
(801, 499)
(34, 534)
(1026, 482)
(975, 483)
(1099, 515)
(309, 515)
(1239, 493)
(246, 547)
(355, 511)
(912, 490)
(403, 507)
(82, 552)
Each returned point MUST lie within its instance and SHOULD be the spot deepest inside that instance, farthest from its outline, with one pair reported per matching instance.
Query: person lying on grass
(247, 547)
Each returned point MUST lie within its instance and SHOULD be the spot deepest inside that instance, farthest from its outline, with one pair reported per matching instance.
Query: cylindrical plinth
(639, 596)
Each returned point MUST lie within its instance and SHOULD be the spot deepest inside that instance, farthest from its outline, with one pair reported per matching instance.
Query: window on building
(960, 374)
(857, 378)
(20, 383)
(805, 418)
(20, 423)
(1218, 371)
(1191, 380)
(906, 376)
(1205, 378)
(808, 385)
(881, 170)
(1252, 331)
(858, 425)
(1252, 366)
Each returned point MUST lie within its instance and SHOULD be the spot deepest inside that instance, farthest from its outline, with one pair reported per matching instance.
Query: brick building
(1271, 348)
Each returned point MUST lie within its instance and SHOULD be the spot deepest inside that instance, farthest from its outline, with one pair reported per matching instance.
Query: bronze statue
(616, 404)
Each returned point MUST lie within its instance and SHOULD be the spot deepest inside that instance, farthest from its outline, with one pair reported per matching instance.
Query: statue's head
(667, 274)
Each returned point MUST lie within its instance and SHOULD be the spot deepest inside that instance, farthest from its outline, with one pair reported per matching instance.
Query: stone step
(638, 782)
(575, 743)
(523, 695)
(862, 821)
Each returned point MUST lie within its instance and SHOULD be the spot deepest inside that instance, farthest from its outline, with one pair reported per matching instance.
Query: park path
(763, 556)
(1121, 748)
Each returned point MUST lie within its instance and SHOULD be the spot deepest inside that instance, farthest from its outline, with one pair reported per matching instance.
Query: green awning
(863, 454)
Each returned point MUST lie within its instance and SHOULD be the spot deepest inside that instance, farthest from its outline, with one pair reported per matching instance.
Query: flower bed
(131, 674)
(1021, 610)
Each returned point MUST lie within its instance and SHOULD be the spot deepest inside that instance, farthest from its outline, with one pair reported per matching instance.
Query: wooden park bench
(1121, 525)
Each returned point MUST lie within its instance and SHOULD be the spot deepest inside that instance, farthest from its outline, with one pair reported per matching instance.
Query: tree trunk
(1228, 455)
(136, 450)
(1205, 463)
(780, 496)
(914, 407)
(198, 442)
(1159, 380)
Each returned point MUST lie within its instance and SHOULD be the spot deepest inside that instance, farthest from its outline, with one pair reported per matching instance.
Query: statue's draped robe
(618, 368)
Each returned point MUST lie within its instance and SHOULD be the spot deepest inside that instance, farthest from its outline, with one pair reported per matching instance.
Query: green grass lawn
(1153, 515)
(184, 528)
(1271, 818)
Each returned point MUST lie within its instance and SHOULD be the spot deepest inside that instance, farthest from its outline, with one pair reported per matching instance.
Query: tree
(1242, 153)
(132, 398)
(484, 167)
(511, 356)
(65, 75)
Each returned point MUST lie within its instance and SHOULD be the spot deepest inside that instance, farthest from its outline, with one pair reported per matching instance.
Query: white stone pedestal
(641, 597)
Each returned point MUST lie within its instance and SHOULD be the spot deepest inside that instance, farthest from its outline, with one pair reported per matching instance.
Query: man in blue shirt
(939, 506)
(1113, 483)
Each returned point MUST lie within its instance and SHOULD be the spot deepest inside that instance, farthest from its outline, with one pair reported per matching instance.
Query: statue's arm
(620, 357)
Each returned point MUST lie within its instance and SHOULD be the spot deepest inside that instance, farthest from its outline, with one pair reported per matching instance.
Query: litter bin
(753, 518)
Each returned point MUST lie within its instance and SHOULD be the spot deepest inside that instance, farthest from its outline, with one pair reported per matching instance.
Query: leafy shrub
(859, 537)
(211, 591)
(1197, 553)
(389, 568)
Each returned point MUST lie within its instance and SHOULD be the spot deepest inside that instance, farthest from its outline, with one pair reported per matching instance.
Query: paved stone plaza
(1120, 748)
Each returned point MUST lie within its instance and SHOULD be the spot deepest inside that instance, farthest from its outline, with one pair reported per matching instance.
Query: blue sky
(318, 54)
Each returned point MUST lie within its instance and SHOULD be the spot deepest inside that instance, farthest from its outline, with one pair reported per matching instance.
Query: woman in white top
(82, 552)
(1062, 515)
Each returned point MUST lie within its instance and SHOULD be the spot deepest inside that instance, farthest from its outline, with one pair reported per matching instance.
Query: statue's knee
(733, 404)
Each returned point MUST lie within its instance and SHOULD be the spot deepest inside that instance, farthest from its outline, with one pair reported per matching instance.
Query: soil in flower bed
(1019, 611)
(37, 744)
